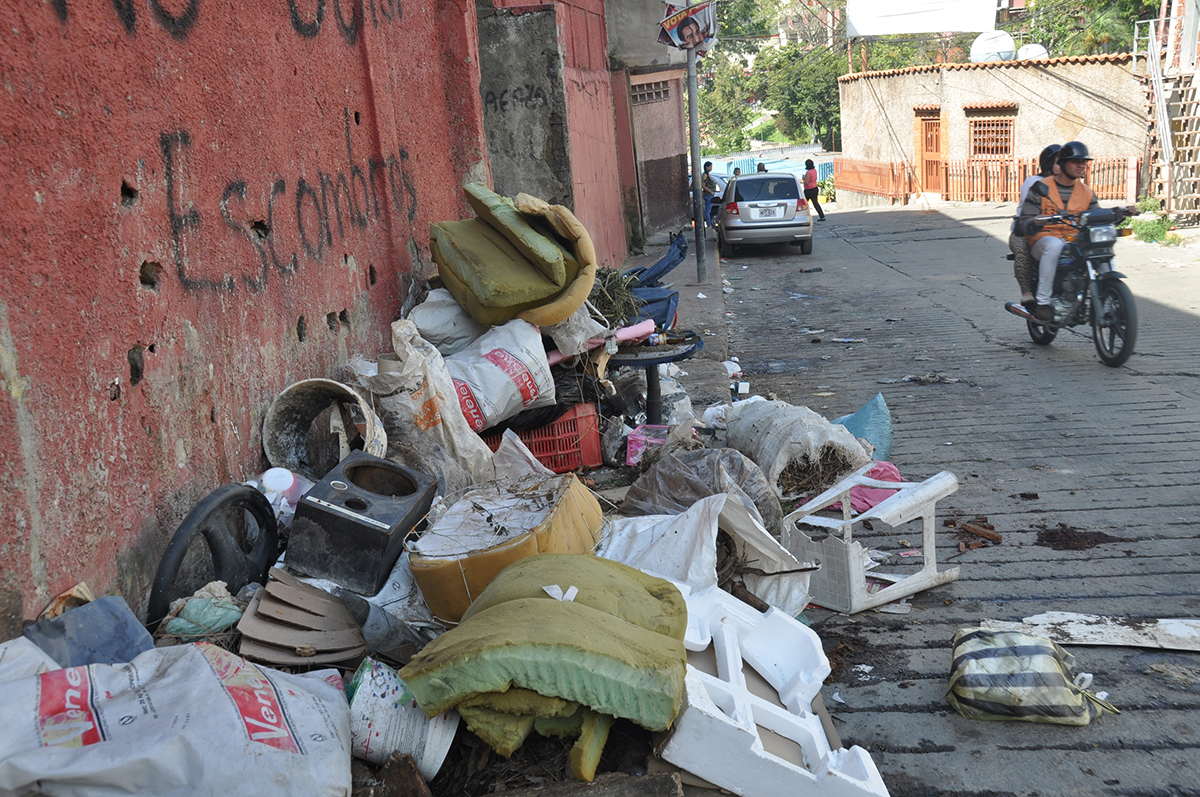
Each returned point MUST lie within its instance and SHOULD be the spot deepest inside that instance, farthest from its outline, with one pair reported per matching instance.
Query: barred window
(651, 92)
(991, 138)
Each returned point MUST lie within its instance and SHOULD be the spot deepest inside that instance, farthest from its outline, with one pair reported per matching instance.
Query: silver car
(764, 208)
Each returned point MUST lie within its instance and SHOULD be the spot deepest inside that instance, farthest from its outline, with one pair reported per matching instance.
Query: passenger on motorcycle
(1022, 261)
(1069, 194)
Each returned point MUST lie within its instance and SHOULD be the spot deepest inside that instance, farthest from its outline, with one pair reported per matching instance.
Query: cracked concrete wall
(204, 205)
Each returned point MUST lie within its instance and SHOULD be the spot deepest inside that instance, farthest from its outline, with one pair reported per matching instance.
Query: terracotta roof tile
(1107, 58)
(929, 106)
(995, 105)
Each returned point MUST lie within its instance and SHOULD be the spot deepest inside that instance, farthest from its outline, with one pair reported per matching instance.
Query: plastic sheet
(104, 631)
(873, 422)
(678, 480)
(683, 548)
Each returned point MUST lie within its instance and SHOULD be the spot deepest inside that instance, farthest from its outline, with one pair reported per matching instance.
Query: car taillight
(801, 204)
(731, 209)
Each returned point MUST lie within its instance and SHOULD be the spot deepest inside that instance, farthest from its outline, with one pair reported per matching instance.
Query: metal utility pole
(697, 167)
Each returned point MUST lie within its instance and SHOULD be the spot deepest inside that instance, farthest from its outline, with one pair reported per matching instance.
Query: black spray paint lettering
(528, 97)
(178, 25)
(358, 197)
(174, 148)
(308, 23)
(238, 188)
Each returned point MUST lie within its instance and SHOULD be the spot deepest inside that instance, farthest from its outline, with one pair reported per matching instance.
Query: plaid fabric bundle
(1005, 675)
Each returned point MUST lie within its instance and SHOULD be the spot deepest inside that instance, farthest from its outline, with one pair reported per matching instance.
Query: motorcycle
(1086, 289)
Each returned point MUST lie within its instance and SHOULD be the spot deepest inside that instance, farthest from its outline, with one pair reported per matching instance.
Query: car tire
(806, 247)
(724, 247)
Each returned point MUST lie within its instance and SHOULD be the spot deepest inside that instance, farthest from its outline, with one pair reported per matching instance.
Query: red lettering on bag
(470, 406)
(255, 698)
(517, 372)
(66, 716)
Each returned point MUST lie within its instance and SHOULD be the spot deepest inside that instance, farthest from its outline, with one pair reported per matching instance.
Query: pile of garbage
(426, 552)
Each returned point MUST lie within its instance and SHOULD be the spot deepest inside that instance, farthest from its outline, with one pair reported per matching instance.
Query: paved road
(1106, 451)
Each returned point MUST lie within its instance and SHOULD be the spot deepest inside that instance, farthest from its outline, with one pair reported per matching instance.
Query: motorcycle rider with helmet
(1022, 260)
(1067, 193)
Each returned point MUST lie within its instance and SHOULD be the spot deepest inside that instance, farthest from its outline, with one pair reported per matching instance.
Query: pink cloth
(864, 498)
(810, 179)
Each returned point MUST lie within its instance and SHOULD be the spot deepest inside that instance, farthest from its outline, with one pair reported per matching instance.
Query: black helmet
(1073, 151)
(1046, 160)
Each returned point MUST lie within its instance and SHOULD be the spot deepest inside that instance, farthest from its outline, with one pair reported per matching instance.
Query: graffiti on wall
(528, 97)
(319, 210)
(306, 16)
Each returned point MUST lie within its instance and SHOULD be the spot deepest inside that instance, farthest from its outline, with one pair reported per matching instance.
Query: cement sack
(501, 374)
(175, 721)
(800, 452)
(419, 409)
(442, 321)
(683, 548)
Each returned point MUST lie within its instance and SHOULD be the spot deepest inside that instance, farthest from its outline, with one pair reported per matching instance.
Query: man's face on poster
(689, 33)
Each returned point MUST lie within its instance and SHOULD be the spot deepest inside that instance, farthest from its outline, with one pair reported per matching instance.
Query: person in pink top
(810, 188)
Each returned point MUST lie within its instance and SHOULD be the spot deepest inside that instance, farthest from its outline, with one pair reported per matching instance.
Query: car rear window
(782, 187)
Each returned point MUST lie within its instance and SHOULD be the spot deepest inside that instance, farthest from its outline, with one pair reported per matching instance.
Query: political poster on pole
(689, 27)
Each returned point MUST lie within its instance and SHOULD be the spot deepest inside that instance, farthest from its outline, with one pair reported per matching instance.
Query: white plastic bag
(419, 410)
(175, 721)
(683, 548)
(443, 322)
(502, 373)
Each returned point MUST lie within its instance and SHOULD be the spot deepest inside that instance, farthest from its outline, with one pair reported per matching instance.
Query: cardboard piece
(289, 618)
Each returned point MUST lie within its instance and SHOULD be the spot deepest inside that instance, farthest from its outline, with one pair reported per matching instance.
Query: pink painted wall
(229, 192)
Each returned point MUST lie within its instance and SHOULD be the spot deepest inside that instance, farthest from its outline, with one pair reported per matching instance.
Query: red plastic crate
(571, 442)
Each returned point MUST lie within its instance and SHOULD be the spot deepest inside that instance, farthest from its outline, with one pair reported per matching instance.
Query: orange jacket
(1081, 200)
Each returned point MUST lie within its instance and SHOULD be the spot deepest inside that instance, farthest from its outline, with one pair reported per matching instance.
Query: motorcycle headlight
(1103, 234)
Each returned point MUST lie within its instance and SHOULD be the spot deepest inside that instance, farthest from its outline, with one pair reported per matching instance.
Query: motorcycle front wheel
(1115, 331)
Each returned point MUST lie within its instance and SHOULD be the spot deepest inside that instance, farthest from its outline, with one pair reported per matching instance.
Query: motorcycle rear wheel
(1115, 331)
(1041, 335)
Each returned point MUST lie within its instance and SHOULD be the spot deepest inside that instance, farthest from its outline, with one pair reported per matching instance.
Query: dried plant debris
(804, 477)
(612, 295)
(1069, 538)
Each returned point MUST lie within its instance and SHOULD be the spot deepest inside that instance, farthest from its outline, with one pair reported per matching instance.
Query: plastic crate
(571, 442)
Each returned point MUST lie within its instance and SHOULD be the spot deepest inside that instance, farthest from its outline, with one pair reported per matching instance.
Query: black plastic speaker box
(350, 528)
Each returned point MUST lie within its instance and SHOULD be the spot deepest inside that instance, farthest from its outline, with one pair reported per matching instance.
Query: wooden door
(931, 155)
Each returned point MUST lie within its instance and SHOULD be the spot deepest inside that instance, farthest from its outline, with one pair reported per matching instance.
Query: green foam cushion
(558, 648)
(611, 587)
(499, 213)
(504, 733)
(522, 701)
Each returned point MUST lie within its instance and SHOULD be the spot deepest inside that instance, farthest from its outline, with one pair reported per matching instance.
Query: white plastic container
(385, 718)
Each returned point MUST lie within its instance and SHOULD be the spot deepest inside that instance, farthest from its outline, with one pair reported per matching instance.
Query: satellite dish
(1032, 52)
(995, 45)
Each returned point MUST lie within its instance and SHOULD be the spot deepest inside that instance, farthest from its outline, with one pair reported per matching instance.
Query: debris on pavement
(103, 631)
(208, 615)
(175, 719)
(611, 656)
(494, 525)
(1071, 628)
(71, 598)
(997, 675)
(290, 623)
(841, 583)
(800, 451)
(350, 527)
(751, 676)
(385, 720)
(291, 414)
